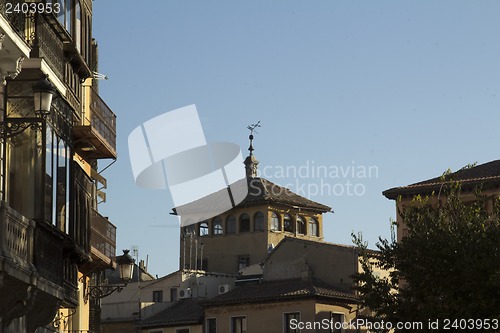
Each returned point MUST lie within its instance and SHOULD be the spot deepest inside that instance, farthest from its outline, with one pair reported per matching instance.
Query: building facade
(52, 237)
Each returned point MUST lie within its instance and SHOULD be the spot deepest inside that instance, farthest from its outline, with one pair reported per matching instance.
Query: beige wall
(330, 263)
(264, 317)
(269, 317)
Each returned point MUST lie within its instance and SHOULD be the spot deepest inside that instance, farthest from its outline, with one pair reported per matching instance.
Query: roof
(181, 312)
(253, 191)
(311, 242)
(262, 190)
(485, 174)
(269, 291)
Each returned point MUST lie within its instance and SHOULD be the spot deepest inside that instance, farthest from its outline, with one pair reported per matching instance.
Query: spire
(251, 162)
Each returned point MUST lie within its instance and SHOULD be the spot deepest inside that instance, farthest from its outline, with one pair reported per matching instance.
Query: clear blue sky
(409, 87)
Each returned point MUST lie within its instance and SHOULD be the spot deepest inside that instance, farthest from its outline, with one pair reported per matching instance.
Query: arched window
(217, 226)
(301, 226)
(313, 227)
(244, 223)
(203, 229)
(231, 224)
(275, 222)
(258, 221)
(287, 222)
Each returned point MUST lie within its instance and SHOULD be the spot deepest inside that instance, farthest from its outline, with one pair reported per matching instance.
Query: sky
(354, 97)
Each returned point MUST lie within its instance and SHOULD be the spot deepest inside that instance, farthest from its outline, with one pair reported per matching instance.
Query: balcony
(16, 240)
(95, 134)
(102, 240)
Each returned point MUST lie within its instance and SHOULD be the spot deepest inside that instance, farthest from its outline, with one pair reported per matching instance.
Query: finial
(251, 162)
(252, 130)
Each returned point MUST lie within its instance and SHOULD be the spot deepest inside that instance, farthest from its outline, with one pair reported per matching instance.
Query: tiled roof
(182, 312)
(255, 191)
(487, 174)
(263, 190)
(269, 291)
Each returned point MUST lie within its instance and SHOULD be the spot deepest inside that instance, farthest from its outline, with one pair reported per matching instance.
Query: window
(275, 222)
(287, 221)
(244, 223)
(336, 320)
(239, 324)
(258, 221)
(156, 331)
(182, 330)
(231, 225)
(173, 294)
(243, 261)
(301, 226)
(203, 231)
(293, 317)
(211, 326)
(217, 226)
(78, 26)
(313, 227)
(157, 296)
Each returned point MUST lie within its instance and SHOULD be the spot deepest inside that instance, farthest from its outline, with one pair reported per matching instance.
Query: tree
(446, 269)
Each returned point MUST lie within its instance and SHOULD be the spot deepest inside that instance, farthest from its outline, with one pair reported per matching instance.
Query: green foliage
(448, 267)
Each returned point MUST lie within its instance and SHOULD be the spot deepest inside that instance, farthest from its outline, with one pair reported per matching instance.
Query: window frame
(207, 326)
(342, 318)
(301, 225)
(288, 218)
(312, 226)
(157, 296)
(262, 222)
(217, 222)
(244, 220)
(275, 219)
(244, 328)
(231, 225)
(204, 229)
(286, 326)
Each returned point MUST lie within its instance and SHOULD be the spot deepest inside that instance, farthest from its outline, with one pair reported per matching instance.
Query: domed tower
(245, 234)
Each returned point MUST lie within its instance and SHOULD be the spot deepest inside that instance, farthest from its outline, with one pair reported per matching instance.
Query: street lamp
(43, 92)
(125, 264)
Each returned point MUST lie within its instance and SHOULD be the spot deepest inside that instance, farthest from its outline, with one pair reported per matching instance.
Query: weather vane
(253, 127)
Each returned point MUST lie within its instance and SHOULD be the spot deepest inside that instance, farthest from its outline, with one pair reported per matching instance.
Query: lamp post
(125, 268)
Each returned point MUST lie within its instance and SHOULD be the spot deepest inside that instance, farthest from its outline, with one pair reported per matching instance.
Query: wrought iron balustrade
(17, 19)
(48, 257)
(103, 235)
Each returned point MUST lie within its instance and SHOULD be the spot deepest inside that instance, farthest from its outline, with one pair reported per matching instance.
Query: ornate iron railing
(50, 45)
(103, 235)
(21, 23)
(48, 257)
